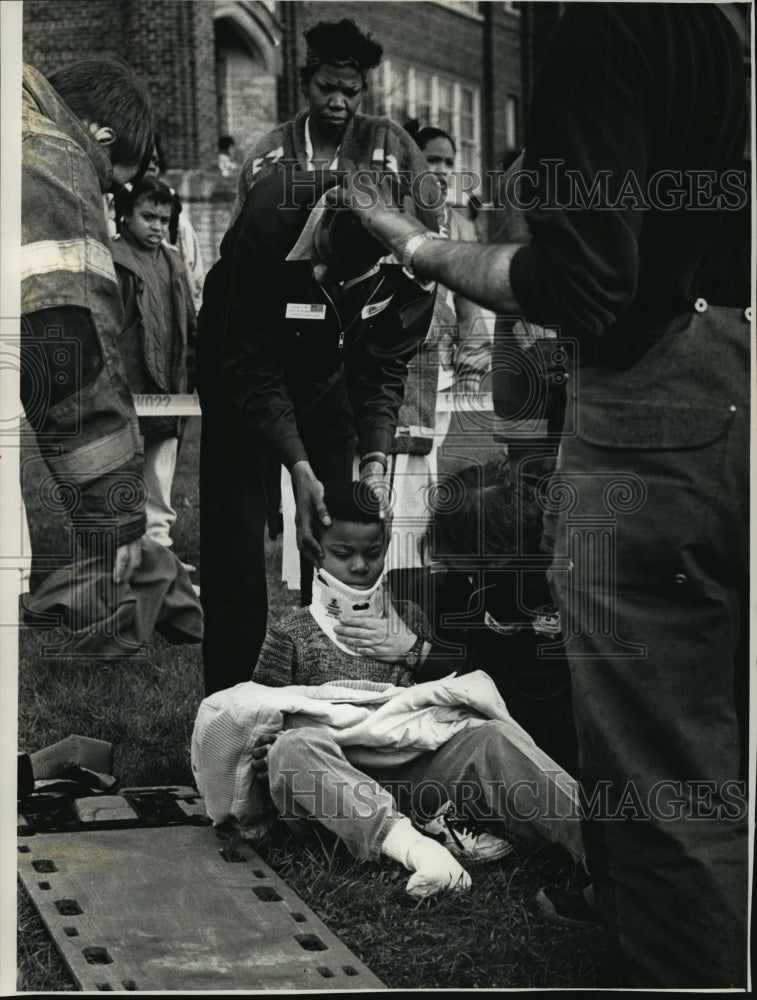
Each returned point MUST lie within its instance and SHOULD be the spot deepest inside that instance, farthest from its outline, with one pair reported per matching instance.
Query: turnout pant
(236, 479)
(649, 572)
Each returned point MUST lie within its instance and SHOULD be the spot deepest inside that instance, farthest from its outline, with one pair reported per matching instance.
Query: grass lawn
(490, 937)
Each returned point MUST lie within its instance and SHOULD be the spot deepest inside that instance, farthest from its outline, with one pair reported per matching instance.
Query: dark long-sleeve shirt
(654, 96)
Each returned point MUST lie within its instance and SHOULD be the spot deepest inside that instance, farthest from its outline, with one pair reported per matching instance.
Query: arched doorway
(247, 67)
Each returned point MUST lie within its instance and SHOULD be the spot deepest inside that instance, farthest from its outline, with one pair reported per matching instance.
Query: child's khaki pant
(494, 771)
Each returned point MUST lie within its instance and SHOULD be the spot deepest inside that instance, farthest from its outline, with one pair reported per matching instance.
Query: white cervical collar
(333, 599)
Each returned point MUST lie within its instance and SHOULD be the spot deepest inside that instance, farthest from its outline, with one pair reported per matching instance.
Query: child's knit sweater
(297, 651)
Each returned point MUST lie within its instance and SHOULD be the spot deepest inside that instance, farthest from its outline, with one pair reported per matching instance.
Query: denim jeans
(650, 567)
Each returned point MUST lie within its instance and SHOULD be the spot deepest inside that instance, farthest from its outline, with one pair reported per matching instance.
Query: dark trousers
(649, 573)
(237, 479)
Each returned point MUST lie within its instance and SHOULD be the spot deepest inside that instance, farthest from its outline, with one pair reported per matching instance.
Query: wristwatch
(408, 250)
(412, 657)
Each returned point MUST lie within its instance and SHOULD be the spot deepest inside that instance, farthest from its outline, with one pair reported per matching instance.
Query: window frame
(466, 8)
(512, 120)
(389, 108)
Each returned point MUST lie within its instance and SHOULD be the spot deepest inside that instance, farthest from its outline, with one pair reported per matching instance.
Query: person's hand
(386, 639)
(310, 510)
(259, 754)
(126, 563)
(375, 204)
(372, 475)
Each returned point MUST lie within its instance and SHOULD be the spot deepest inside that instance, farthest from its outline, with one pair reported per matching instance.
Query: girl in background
(181, 232)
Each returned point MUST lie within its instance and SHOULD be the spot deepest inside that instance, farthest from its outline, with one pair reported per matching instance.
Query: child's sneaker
(463, 838)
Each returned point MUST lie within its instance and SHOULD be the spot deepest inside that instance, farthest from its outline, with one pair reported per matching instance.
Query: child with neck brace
(354, 631)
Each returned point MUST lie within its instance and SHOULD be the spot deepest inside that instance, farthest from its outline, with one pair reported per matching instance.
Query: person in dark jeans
(635, 141)
(301, 361)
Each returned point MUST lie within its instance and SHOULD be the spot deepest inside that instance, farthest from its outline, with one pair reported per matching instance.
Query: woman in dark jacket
(305, 335)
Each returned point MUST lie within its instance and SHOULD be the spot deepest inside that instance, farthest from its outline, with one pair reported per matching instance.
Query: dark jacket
(141, 342)
(72, 314)
(275, 340)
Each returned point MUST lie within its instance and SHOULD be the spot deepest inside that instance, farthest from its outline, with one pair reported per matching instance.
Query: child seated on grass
(159, 332)
(354, 632)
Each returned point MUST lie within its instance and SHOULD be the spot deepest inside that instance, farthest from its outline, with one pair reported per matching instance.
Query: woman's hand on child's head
(310, 511)
(386, 639)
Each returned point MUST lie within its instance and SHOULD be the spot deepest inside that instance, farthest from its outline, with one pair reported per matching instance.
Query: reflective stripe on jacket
(66, 262)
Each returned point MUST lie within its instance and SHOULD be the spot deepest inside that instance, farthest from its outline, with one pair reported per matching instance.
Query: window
(407, 92)
(445, 111)
(424, 102)
(397, 97)
(467, 134)
(467, 7)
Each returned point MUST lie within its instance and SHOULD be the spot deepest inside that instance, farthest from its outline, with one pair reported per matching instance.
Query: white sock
(435, 868)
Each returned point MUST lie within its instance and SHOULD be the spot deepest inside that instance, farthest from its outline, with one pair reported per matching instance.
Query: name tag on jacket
(306, 310)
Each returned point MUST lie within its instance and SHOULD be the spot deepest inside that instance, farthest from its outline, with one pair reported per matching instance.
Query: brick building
(170, 44)
(455, 65)
(222, 67)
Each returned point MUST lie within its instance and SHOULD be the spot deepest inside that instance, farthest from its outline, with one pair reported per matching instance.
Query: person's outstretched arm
(478, 272)
(580, 268)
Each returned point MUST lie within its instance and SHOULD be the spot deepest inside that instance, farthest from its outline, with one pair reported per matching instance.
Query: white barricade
(188, 405)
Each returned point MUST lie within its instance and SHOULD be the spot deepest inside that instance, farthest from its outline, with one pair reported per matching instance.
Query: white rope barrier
(158, 405)
(188, 405)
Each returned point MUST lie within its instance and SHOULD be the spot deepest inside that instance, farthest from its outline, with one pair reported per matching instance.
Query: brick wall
(507, 74)
(58, 33)
(169, 43)
(203, 48)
